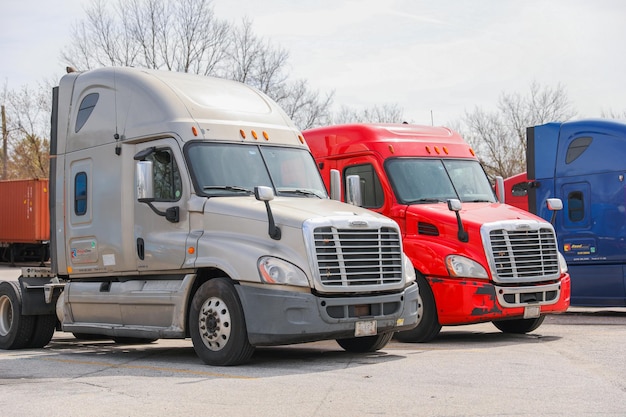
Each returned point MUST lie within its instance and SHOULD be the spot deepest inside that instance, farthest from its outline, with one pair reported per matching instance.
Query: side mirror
(353, 190)
(500, 189)
(144, 181)
(554, 204)
(454, 204)
(335, 184)
(263, 193)
(266, 194)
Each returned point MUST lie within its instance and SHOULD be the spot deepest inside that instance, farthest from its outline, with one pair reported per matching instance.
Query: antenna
(118, 148)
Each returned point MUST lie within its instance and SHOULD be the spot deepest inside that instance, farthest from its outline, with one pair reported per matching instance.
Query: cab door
(161, 226)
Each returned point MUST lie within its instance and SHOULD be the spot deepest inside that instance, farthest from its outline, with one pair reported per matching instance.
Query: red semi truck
(476, 260)
(24, 220)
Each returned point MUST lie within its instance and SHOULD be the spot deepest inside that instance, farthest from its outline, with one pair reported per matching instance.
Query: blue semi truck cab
(583, 163)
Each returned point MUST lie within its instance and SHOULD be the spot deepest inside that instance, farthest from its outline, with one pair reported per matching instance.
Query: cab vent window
(576, 148)
(85, 109)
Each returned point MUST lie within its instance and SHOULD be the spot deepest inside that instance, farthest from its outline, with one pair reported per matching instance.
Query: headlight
(460, 266)
(562, 263)
(277, 271)
(409, 270)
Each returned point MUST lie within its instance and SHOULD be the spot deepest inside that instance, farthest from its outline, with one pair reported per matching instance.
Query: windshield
(421, 180)
(220, 169)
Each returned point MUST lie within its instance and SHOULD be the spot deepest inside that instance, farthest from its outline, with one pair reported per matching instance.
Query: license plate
(365, 328)
(531, 312)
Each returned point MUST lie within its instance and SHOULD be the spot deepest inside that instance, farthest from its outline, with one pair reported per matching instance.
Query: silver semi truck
(184, 206)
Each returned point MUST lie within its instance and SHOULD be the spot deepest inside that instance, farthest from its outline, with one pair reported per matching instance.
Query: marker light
(242, 133)
(254, 135)
(194, 130)
(265, 135)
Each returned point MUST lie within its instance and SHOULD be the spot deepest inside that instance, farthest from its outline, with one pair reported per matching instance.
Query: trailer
(24, 221)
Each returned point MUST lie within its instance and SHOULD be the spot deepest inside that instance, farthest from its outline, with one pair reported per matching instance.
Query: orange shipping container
(24, 212)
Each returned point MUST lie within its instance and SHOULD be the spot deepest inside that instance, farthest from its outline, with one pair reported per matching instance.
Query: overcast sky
(429, 57)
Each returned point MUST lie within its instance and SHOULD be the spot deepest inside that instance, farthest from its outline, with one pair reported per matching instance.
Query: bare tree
(387, 113)
(612, 114)
(186, 36)
(499, 137)
(27, 125)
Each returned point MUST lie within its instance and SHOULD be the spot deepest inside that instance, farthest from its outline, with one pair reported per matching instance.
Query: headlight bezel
(459, 266)
(277, 271)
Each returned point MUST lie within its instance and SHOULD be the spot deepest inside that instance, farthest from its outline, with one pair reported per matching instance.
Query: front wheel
(519, 326)
(217, 324)
(15, 330)
(428, 326)
(365, 343)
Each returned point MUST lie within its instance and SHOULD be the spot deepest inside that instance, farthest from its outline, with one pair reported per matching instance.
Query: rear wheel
(365, 343)
(44, 330)
(519, 326)
(15, 330)
(217, 324)
(428, 326)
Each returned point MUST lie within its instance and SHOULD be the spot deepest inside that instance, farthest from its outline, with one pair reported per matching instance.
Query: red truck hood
(473, 215)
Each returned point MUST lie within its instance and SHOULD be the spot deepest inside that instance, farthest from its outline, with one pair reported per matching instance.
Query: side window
(167, 183)
(520, 189)
(575, 206)
(85, 109)
(576, 148)
(80, 194)
(371, 190)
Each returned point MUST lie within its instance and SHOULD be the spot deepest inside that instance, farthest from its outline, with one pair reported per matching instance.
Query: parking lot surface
(573, 365)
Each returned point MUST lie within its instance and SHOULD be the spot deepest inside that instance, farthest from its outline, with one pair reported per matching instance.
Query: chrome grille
(353, 257)
(529, 255)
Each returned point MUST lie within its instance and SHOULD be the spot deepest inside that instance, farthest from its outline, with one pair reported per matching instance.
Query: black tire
(217, 325)
(365, 343)
(44, 330)
(428, 326)
(15, 330)
(519, 326)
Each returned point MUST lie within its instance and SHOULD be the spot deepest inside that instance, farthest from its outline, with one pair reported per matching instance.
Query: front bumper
(466, 301)
(275, 317)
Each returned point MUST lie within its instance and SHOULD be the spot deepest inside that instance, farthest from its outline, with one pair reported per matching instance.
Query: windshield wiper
(425, 201)
(300, 191)
(233, 188)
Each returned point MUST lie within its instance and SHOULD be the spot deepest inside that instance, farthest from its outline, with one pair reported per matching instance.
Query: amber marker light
(301, 139)
(242, 133)
(194, 130)
(265, 135)
(191, 250)
(428, 149)
(472, 152)
(391, 150)
(437, 150)
(254, 135)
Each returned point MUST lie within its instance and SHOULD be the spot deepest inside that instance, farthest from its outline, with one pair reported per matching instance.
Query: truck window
(80, 194)
(576, 148)
(428, 180)
(167, 183)
(371, 191)
(226, 169)
(84, 110)
(575, 206)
